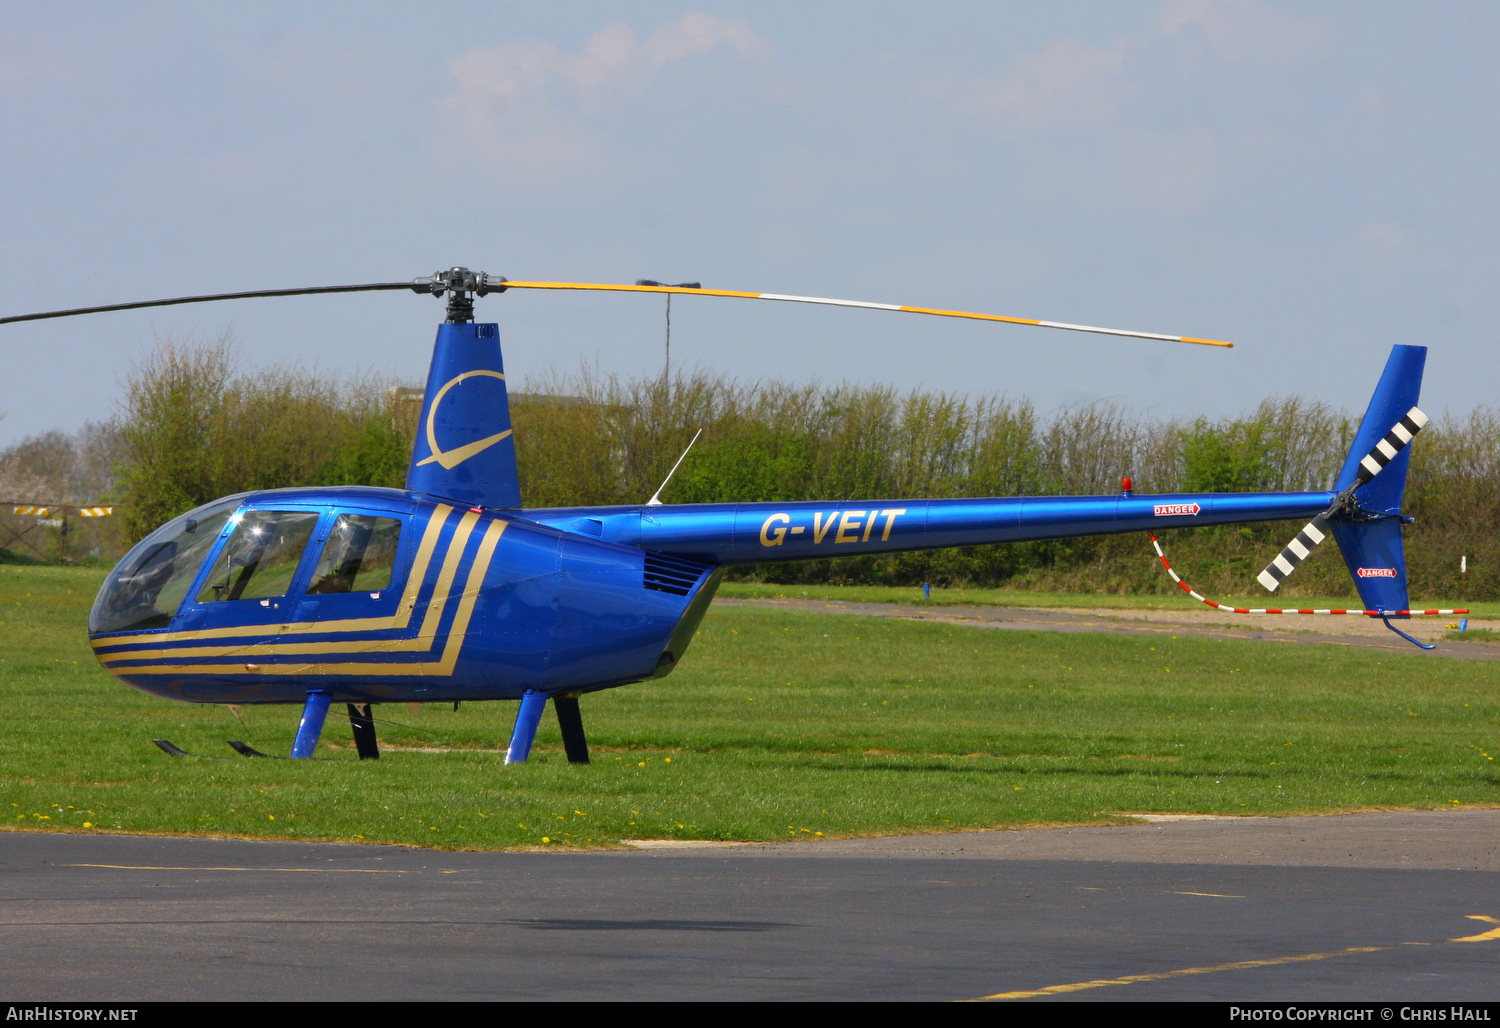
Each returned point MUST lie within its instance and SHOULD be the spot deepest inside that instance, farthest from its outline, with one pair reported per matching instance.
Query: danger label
(1377, 572)
(1163, 510)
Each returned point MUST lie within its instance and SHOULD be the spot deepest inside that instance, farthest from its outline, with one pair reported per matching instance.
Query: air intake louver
(672, 574)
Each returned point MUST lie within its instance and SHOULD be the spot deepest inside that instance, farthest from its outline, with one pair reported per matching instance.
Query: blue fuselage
(477, 603)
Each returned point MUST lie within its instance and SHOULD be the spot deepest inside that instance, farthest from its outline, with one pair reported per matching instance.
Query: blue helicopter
(451, 590)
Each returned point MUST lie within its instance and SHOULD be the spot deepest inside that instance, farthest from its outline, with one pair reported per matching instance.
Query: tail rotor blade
(1373, 463)
(1385, 451)
(1295, 553)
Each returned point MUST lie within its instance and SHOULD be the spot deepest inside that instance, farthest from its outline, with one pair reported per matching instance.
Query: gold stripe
(443, 666)
(422, 641)
(117, 662)
(445, 578)
(397, 621)
(418, 571)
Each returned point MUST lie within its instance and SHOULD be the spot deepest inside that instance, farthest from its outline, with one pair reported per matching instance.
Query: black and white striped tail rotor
(1372, 464)
(1295, 553)
(1396, 440)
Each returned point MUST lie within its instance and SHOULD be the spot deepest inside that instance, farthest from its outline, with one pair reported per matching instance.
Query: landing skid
(242, 748)
(172, 750)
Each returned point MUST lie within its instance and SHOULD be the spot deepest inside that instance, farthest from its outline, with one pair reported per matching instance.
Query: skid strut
(529, 716)
(571, 722)
(311, 726)
(364, 731)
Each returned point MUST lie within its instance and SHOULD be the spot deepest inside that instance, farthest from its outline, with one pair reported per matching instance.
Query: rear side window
(359, 555)
(261, 557)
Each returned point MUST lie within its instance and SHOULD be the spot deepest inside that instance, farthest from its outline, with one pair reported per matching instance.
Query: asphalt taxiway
(1387, 906)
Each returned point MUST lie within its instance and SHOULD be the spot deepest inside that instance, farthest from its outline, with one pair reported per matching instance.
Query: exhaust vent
(672, 574)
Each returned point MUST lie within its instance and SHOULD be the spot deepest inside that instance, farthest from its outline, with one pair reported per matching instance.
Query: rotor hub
(461, 286)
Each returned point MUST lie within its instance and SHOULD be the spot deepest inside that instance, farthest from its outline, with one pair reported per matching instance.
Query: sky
(1313, 181)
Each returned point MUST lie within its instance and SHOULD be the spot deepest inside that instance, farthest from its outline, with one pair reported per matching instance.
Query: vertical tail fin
(1371, 541)
(464, 449)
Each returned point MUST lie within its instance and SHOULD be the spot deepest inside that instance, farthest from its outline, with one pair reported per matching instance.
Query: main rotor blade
(1372, 464)
(499, 285)
(861, 303)
(306, 290)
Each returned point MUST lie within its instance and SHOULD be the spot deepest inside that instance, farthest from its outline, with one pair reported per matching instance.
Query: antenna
(655, 500)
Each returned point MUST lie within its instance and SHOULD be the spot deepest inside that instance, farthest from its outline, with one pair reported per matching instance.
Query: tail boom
(763, 533)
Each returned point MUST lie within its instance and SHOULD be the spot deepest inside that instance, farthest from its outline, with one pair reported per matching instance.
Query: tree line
(193, 427)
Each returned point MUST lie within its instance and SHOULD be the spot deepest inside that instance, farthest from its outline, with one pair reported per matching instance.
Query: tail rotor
(1294, 553)
(1318, 529)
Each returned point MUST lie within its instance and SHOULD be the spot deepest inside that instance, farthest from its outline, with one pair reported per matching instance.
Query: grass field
(1475, 635)
(779, 724)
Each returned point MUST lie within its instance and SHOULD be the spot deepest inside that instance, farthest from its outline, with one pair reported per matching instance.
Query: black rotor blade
(420, 286)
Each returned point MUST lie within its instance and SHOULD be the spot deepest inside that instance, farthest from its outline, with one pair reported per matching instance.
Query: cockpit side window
(260, 558)
(359, 555)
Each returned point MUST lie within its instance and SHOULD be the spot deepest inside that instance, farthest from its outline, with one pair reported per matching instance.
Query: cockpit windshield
(146, 588)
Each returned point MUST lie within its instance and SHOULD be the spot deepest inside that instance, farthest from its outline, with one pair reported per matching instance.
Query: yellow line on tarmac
(1493, 935)
(1239, 965)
